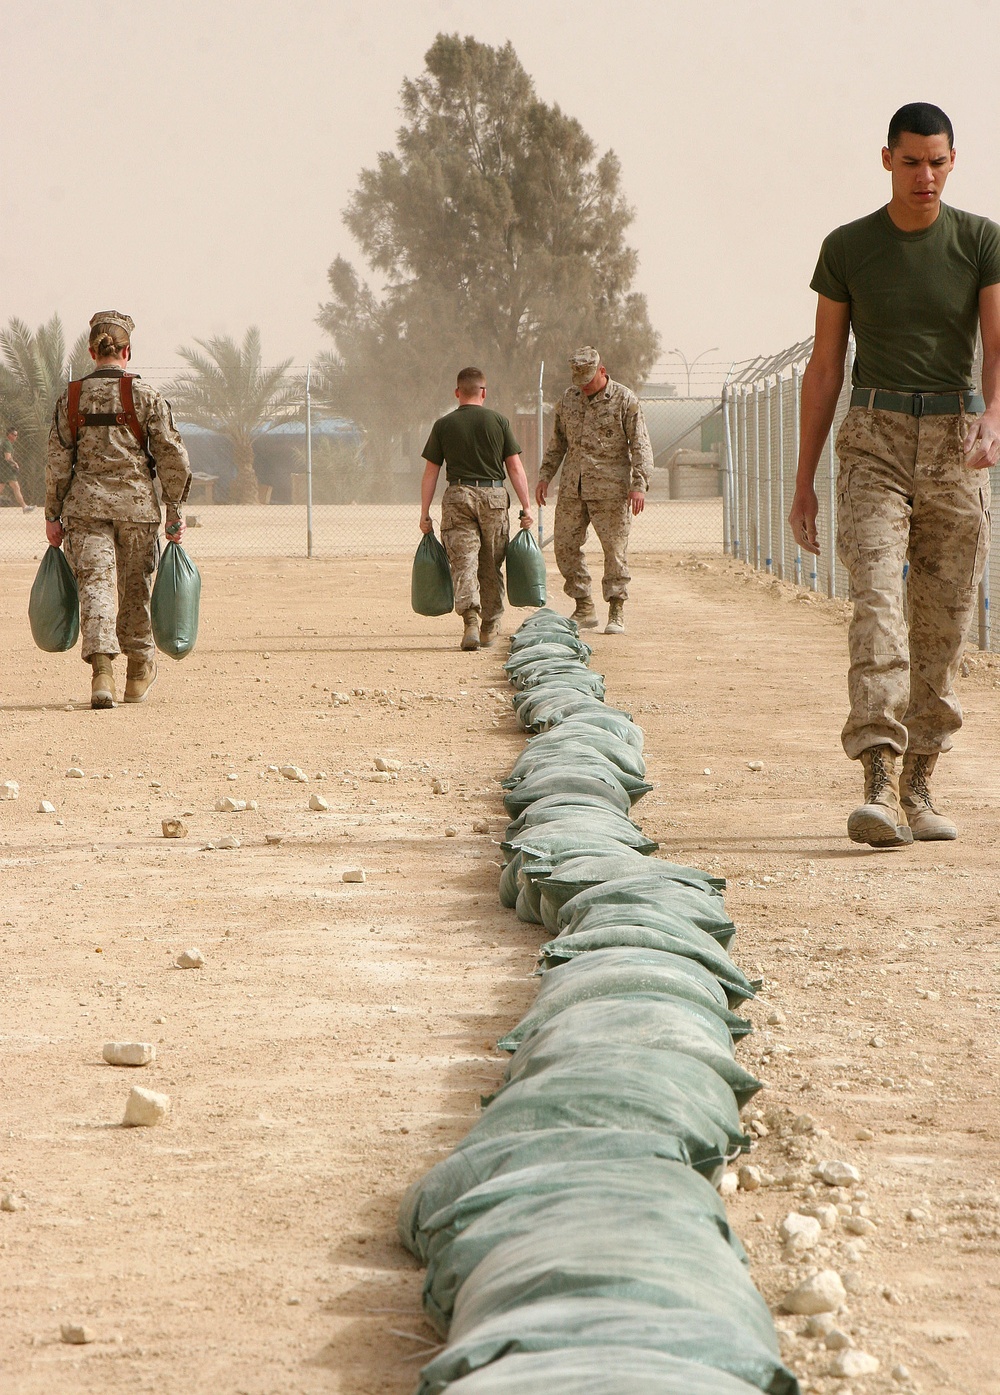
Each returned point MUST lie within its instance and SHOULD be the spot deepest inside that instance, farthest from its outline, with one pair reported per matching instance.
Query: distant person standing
(599, 438)
(111, 436)
(479, 452)
(915, 281)
(10, 469)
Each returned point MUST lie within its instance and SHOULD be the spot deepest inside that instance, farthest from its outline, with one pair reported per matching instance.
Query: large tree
(33, 375)
(499, 233)
(228, 388)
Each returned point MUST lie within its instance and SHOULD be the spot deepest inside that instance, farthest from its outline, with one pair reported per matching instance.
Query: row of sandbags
(575, 1242)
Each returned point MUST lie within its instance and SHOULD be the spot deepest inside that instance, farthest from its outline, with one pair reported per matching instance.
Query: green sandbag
(478, 1161)
(509, 884)
(703, 908)
(54, 604)
(652, 1024)
(606, 743)
(541, 646)
(525, 570)
(527, 906)
(554, 838)
(462, 1235)
(558, 806)
(175, 602)
(692, 944)
(594, 779)
(623, 973)
(597, 1371)
(572, 756)
(564, 1324)
(566, 641)
(547, 618)
(546, 707)
(649, 912)
(635, 1252)
(432, 591)
(568, 673)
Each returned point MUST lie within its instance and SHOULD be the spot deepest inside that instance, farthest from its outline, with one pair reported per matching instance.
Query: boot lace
(879, 773)
(916, 781)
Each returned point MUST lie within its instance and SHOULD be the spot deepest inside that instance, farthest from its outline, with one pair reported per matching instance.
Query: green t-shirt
(474, 441)
(914, 296)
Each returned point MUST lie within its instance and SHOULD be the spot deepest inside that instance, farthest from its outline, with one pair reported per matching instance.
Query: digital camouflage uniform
(904, 494)
(475, 528)
(602, 445)
(103, 494)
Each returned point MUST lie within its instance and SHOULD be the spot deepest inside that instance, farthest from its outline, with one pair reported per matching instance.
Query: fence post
(745, 473)
(727, 472)
(309, 463)
(768, 501)
(541, 445)
(756, 476)
(779, 388)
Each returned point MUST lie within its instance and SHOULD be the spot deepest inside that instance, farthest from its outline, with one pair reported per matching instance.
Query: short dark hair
(470, 380)
(920, 119)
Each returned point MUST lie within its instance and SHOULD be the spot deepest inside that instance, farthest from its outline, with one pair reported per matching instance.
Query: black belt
(481, 484)
(919, 404)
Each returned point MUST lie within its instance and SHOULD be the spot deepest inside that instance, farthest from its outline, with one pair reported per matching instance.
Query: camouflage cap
(584, 365)
(113, 317)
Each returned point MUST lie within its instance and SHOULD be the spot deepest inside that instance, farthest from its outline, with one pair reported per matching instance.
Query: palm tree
(33, 373)
(229, 390)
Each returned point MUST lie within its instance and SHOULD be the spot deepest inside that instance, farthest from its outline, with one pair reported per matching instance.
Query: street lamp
(689, 366)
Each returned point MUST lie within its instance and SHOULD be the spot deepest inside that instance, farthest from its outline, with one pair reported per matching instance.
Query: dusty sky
(188, 160)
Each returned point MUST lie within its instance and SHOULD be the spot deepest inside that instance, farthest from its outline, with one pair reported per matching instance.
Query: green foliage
(228, 389)
(33, 373)
(500, 234)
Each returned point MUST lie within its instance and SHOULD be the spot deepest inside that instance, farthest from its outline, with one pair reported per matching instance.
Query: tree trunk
(244, 489)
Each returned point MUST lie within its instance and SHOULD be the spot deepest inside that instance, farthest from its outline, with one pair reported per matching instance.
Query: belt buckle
(918, 404)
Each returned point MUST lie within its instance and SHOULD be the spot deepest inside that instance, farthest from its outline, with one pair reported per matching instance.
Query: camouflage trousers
(475, 526)
(114, 564)
(612, 519)
(905, 496)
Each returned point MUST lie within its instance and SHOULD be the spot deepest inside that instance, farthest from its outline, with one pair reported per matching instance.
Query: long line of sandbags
(575, 1241)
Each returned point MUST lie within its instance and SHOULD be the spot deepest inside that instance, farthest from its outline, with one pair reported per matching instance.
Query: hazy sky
(188, 160)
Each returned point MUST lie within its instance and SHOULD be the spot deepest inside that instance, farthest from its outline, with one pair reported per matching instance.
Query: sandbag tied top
(563, 1325)
(432, 591)
(54, 604)
(175, 603)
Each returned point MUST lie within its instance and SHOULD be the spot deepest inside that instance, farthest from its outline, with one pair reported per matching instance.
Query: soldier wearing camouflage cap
(111, 436)
(599, 440)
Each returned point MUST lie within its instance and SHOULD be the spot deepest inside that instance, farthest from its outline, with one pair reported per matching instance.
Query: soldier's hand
(175, 529)
(54, 533)
(802, 519)
(981, 445)
(540, 492)
(427, 524)
(637, 502)
(527, 521)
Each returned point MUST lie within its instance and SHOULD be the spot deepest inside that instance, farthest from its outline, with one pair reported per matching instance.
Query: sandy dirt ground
(338, 1038)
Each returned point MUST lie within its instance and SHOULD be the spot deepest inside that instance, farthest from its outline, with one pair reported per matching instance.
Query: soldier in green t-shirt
(913, 281)
(479, 451)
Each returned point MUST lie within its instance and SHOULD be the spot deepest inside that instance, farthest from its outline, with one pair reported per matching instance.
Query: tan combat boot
(926, 824)
(139, 678)
(102, 685)
(879, 821)
(490, 633)
(616, 617)
(585, 615)
(470, 639)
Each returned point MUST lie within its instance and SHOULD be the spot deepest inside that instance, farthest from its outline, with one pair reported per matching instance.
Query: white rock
(775, 1018)
(820, 1325)
(74, 773)
(228, 841)
(836, 1173)
(380, 777)
(144, 1108)
(44, 807)
(749, 1178)
(355, 874)
(174, 828)
(481, 826)
(76, 1335)
(800, 1232)
(273, 838)
(273, 769)
(381, 763)
(227, 805)
(232, 775)
(852, 1363)
(729, 1184)
(853, 1281)
(10, 789)
(900, 1373)
(825, 1212)
(451, 831)
(318, 803)
(292, 772)
(440, 786)
(190, 959)
(917, 1213)
(822, 1293)
(863, 1135)
(129, 1053)
(10, 1202)
(755, 765)
(859, 1225)
(835, 1340)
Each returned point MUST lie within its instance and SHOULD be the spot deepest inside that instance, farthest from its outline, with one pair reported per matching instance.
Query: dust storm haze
(189, 162)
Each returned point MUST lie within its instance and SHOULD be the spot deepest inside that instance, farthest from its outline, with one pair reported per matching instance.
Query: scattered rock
(440, 786)
(144, 1108)
(800, 1232)
(74, 773)
(852, 1363)
(822, 1293)
(129, 1053)
(820, 1325)
(900, 1373)
(10, 1202)
(749, 1178)
(729, 1184)
(227, 805)
(859, 1225)
(355, 874)
(776, 1018)
(44, 807)
(10, 789)
(835, 1340)
(318, 803)
(451, 831)
(855, 1283)
(825, 1212)
(174, 828)
(803, 1124)
(232, 775)
(917, 1213)
(273, 838)
(877, 1042)
(75, 1335)
(292, 772)
(190, 959)
(228, 841)
(836, 1173)
(755, 765)
(864, 1135)
(481, 826)
(381, 763)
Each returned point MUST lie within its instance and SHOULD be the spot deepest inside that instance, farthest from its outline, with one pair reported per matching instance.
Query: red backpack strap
(73, 408)
(129, 417)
